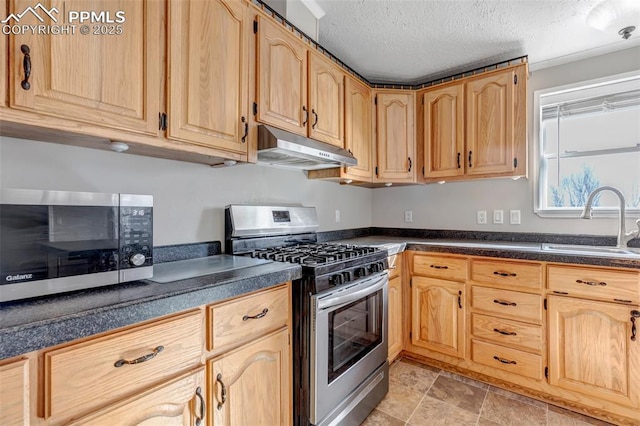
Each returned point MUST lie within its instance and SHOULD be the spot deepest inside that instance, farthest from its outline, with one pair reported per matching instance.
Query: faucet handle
(635, 233)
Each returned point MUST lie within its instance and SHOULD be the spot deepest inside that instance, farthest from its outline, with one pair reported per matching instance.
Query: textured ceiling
(413, 41)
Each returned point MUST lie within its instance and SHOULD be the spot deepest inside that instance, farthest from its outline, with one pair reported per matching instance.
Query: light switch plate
(498, 217)
(514, 217)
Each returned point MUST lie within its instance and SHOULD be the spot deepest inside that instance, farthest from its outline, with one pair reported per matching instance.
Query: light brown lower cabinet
(179, 402)
(395, 336)
(14, 393)
(594, 350)
(252, 384)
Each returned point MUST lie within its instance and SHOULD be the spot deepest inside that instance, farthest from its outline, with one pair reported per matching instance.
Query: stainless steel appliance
(339, 311)
(285, 149)
(58, 241)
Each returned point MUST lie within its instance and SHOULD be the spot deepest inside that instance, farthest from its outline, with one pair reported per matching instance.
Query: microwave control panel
(136, 237)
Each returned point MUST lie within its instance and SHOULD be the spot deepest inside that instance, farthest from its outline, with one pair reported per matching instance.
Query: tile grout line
(423, 397)
(482, 406)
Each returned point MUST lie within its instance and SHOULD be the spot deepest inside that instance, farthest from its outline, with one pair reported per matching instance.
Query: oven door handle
(353, 295)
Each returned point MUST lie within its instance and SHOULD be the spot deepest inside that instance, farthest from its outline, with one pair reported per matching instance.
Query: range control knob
(360, 272)
(336, 279)
(137, 259)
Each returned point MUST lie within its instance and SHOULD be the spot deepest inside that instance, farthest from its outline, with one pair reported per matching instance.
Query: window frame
(538, 173)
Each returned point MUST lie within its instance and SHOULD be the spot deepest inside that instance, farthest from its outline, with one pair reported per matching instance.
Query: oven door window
(354, 331)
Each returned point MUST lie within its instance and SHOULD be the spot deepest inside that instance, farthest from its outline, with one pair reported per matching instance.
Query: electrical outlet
(514, 217)
(481, 217)
(498, 217)
(408, 216)
(337, 215)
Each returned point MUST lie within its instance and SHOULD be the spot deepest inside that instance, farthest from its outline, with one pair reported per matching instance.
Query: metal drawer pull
(634, 331)
(502, 302)
(602, 283)
(506, 333)
(26, 66)
(260, 315)
(143, 358)
(559, 292)
(203, 406)
(622, 300)
(504, 274)
(504, 361)
(223, 394)
(439, 267)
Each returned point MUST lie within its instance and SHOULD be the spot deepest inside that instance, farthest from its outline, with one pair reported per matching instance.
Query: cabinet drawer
(448, 268)
(507, 332)
(251, 316)
(82, 377)
(505, 273)
(507, 359)
(511, 304)
(595, 283)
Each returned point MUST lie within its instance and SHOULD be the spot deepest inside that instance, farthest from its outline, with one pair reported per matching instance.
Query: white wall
(454, 205)
(189, 199)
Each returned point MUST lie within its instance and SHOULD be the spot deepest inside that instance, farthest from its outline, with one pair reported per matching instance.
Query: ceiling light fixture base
(626, 32)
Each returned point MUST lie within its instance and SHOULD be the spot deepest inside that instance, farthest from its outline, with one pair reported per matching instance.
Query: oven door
(348, 340)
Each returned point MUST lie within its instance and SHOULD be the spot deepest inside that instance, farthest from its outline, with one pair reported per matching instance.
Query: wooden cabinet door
(14, 393)
(395, 317)
(326, 100)
(437, 312)
(396, 137)
(252, 385)
(281, 78)
(110, 80)
(444, 132)
(490, 124)
(358, 129)
(179, 402)
(209, 69)
(591, 351)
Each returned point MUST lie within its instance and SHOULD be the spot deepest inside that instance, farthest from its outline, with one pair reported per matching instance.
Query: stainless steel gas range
(339, 311)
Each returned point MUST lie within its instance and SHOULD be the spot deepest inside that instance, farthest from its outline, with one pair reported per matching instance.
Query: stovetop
(313, 254)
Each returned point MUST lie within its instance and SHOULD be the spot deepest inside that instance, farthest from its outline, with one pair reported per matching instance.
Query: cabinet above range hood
(284, 149)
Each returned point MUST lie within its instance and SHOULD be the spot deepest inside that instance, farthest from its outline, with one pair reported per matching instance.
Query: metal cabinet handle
(203, 407)
(143, 358)
(246, 129)
(260, 315)
(26, 65)
(505, 333)
(504, 361)
(315, 115)
(470, 165)
(460, 299)
(502, 302)
(634, 331)
(458, 160)
(593, 283)
(439, 267)
(410, 164)
(223, 394)
(306, 116)
(504, 274)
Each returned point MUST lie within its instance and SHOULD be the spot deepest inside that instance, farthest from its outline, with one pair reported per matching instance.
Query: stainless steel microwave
(58, 241)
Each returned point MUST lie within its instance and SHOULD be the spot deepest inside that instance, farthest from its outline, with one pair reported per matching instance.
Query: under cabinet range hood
(285, 149)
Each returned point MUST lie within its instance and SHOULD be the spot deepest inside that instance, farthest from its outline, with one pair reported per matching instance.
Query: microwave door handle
(333, 302)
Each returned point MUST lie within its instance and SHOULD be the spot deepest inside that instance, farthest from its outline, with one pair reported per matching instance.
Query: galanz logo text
(19, 277)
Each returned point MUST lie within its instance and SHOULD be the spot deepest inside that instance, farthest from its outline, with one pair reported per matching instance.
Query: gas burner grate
(313, 254)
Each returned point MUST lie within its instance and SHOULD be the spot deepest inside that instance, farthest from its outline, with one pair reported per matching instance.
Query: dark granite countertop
(35, 324)
(501, 249)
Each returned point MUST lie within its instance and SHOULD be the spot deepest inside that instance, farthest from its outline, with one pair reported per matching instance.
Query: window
(588, 136)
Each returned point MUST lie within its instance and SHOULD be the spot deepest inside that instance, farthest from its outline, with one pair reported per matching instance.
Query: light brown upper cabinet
(395, 141)
(209, 69)
(476, 128)
(358, 130)
(110, 79)
(307, 101)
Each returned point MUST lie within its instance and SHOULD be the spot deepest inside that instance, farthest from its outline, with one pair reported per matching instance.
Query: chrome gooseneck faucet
(623, 236)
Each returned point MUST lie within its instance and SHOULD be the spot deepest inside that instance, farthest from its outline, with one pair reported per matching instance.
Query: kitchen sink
(602, 251)
(488, 245)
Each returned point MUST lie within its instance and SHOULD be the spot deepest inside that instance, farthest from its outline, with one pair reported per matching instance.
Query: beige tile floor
(420, 395)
